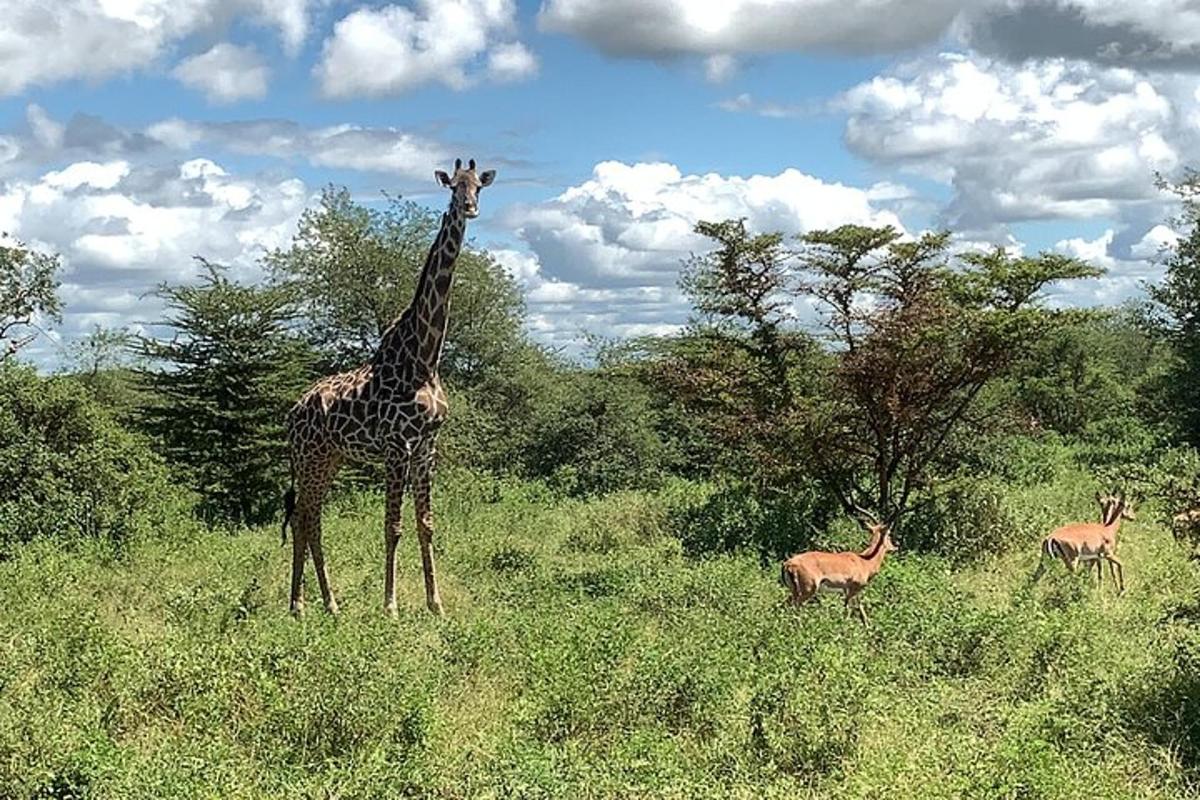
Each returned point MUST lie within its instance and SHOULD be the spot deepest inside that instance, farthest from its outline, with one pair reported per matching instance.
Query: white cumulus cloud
(393, 49)
(632, 223)
(383, 150)
(226, 73)
(46, 42)
(664, 28)
(604, 256)
(122, 228)
(1041, 140)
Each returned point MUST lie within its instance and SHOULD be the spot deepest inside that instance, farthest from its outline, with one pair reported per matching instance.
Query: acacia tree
(1176, 301)
(220, 387)
(354, 268)
(911, 335)
(919, 334)
(28, 290)
(738, 368)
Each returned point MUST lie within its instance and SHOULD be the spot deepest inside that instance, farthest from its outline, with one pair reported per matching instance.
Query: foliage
(585, 654)
(594, 432)
(1093, 366)
(1177, 307)
(912, 339)
(28, 290)
(736, 373)
(354, 269)
(917, 340)
(734, 518)
(68, 470)
(103, 361)
(221, 386)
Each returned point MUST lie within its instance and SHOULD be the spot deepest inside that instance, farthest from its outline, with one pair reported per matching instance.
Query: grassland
(584, 654)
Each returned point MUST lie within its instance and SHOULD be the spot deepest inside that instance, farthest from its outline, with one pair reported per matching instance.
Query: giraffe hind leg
(299, 549)
(314, 481)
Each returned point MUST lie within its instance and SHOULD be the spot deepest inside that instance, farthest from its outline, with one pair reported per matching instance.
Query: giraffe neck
(429, 313)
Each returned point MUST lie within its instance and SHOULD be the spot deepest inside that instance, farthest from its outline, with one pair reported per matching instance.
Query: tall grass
(584, 655)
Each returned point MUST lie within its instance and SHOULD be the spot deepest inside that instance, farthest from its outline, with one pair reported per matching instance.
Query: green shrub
(67, 469)
(595, 433)
(735, 518)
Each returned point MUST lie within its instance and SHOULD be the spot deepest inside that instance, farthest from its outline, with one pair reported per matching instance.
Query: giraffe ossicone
(389, 410)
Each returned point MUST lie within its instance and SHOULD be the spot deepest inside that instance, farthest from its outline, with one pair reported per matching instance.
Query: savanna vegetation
(609, 535)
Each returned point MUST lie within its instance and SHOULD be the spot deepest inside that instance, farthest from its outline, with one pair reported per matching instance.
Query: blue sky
(136, 134)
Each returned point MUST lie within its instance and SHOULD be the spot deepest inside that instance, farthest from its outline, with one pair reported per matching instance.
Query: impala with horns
(1091, 542)
(806, 574)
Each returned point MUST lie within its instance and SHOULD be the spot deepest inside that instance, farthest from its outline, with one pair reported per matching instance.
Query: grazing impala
(1091, 542)
(806, 574)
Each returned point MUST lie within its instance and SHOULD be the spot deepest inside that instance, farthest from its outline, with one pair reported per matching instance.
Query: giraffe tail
(289, 508)
(289, 503)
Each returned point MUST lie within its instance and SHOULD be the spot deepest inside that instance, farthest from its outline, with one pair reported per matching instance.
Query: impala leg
(1040, 571)
(1113, 562)
(802, 588)
(422, 485)
(853, 597)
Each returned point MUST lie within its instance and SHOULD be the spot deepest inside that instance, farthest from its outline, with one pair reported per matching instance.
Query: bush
(67, 469)
(595, 433)
(735, 517)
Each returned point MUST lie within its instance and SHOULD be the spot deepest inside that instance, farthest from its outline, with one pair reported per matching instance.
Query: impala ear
(486, 177)
(442, 178)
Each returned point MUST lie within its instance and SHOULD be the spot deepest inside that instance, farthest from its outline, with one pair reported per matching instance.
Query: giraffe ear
(442, 178)
(487, 177)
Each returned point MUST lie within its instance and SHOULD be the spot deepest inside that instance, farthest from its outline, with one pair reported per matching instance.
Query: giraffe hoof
(390, 610)
(297, 609)
(435, 607)
(332, 608)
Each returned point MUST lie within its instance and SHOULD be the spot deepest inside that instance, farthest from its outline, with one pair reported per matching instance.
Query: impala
(805, 574)
(1091, 542)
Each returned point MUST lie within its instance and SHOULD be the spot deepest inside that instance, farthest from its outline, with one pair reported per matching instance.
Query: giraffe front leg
(422, 483)
(397, 477)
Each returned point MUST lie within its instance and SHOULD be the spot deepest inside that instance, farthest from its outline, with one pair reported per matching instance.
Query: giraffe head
(464, 186)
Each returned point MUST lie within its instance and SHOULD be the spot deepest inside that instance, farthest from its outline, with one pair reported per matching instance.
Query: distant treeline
(916, 378)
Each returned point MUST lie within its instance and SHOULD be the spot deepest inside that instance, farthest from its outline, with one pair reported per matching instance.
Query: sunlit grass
(583, 654)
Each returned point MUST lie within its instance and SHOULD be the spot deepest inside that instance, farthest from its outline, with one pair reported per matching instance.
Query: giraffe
(388, 409)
